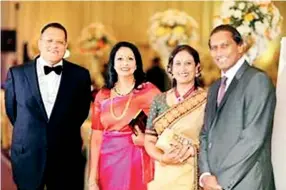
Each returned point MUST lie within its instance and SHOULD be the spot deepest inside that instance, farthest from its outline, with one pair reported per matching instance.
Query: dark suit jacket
(235, 139)
(37, 141)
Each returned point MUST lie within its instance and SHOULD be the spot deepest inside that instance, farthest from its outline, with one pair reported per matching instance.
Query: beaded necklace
(180, 98)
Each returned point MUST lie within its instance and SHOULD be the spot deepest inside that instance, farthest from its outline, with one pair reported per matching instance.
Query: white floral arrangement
(95, 40)
(171, 28)
(258, 22)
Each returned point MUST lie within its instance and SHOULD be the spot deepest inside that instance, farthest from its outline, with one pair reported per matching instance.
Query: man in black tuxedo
(47, 101)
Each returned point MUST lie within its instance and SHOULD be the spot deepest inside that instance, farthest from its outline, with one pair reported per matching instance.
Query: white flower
(170, 22)
(243, 29)
(170, 28)
(276, 16)
(231, 11)
(255, 15)
(263, 9)
(246, 24)
(241, 5)
(237, 14)
(265, 20)
(260, 31)
(182, 21)
(260, 27)
(95, 40)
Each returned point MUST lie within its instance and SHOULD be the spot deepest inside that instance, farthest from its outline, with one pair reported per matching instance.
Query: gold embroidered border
(174, 113)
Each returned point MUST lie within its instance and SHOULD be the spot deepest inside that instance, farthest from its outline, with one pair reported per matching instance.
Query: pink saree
(122, 165)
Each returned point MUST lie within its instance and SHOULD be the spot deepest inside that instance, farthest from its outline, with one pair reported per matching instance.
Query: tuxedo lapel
(64, 92)
(31, 74)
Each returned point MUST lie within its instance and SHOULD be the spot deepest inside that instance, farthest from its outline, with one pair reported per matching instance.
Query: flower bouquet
(95, 40)
(171, 28)
(258, 22)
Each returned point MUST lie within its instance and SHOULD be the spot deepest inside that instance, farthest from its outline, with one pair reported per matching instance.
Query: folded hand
(139, 138)
(177, 154)
(210, 183)
(186, 152)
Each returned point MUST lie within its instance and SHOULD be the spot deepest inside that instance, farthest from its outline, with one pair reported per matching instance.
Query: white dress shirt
(230, 75)
(48, 84)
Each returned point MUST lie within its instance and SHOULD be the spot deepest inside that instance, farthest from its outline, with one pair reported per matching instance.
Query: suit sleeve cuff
(201, 177)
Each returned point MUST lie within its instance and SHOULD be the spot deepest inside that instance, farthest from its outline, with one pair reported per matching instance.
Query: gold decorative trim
(175, 112)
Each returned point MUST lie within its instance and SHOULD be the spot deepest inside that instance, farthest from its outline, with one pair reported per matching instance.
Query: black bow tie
(58, 69)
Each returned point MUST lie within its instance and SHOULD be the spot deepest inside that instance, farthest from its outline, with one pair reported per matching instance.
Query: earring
(198, 74)
(170, 71)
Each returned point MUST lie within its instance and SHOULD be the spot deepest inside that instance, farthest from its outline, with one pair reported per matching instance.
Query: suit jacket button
(210, 145)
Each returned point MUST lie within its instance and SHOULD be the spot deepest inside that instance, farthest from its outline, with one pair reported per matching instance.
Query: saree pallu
(121, 163)
(179, 124)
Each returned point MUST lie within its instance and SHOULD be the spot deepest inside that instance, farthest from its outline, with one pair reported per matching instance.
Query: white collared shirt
(232, 71)
(48, 84)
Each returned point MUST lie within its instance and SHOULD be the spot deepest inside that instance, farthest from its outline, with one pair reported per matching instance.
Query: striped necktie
(221, 90)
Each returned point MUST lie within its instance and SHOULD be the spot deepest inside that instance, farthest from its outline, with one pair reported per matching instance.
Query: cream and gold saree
(180, 123)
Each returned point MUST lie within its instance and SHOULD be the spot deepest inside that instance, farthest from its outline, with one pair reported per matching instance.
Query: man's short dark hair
(236, 36)
(55, 25)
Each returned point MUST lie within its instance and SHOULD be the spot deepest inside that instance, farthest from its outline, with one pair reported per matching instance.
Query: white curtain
(279, 128)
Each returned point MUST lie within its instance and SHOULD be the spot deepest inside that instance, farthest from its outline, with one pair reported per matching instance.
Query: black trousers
(69, 176)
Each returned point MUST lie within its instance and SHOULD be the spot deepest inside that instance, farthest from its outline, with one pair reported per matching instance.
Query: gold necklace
(121, 94)
(125, 108)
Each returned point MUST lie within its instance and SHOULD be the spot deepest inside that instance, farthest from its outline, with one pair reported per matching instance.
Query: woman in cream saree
(174, 124)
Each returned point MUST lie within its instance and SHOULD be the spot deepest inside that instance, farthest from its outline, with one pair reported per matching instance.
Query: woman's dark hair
(139, 74)
(193, 53)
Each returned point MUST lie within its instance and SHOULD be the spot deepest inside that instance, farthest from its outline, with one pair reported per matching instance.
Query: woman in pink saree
(118, 160)
(174, 124)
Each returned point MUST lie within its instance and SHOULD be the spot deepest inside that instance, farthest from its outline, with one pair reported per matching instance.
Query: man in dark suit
(158, 76)
(235, 139)
(47, 101)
